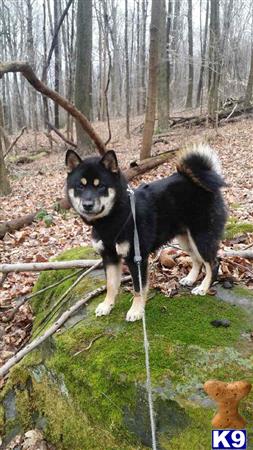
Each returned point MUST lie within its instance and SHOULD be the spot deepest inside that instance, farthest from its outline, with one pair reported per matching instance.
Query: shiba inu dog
(187, 205)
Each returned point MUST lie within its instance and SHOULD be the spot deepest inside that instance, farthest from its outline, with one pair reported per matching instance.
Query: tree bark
(249, 88)
(203, 57)
(214, 60)
(190, 63)
(5, 187)
(56, 63)
(83, 78)
(152, 82)
(162, 98)
(127, 73)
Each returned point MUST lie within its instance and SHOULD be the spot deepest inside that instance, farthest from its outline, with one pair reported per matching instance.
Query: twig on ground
(60, 302)
(15, 141)
(66, 140)
(50, 265)
(34, 294)
(241, 253)
(85, 349)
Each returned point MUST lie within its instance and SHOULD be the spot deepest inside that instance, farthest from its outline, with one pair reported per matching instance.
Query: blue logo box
(229, 439)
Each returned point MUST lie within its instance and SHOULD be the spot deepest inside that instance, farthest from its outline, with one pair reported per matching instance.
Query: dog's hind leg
(137, 309)
(197, 261)
(113, 278)
(205, 247)
(206, 283)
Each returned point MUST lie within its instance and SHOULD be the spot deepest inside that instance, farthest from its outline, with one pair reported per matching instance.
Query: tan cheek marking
(96, 182)
(84, 181)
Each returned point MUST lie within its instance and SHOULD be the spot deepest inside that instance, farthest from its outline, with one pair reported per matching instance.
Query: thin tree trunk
(214, 59)
(249, 88)
(83, 80)
(190, 63)
(168, 53)
(203, 57)
(56, 63)
(5, 187)
(162, 98)
(143, 56)
(127, 73)
(152, 82)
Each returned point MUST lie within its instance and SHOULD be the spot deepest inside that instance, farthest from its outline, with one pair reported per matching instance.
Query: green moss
(243, 292)
(235, 228)
(24, 408)
(45, 300)
(87, 399)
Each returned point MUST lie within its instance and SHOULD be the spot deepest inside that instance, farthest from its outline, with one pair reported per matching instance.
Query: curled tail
(202, 166)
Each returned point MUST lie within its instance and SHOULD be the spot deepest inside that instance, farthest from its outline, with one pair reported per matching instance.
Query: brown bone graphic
(227, 396)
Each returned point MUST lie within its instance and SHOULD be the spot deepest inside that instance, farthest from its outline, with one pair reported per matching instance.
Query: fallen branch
(149, 163)
(55, 308)
(241, 253)
(52, 127)
(16, 224)
(28, 73)
(85, 349)
(51, 330)
(41, 291)
(50, 265)
(15, 141)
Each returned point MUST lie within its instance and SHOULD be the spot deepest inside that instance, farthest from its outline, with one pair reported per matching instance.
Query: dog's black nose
(88, 205)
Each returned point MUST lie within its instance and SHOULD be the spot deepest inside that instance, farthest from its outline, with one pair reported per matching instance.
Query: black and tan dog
(187, 205)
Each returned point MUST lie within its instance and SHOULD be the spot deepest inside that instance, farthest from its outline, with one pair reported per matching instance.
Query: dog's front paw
(103, 309)
(198, 291)
(135, 313)
(186, 281)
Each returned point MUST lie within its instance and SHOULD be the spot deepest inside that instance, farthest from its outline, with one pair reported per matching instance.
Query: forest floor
(40, 184)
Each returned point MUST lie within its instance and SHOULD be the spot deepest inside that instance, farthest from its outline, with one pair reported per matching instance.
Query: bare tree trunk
(83, 78)
(127, 73)
(203, 57)
(249, 88)
(56, 63)
(152, 81)
(162, 98)
(214, 59)
(168, 53)
(44, 75)
(5, 187)
(31, 55)
(190, 64)
(143, 55)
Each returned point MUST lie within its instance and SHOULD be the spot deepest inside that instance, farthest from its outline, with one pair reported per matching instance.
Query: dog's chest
(121, 248)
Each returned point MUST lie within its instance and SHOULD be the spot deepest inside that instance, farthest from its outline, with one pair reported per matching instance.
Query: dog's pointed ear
(110, 161)
(72, 160)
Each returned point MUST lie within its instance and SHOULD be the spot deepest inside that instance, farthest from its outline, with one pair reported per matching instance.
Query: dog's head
(92, 184)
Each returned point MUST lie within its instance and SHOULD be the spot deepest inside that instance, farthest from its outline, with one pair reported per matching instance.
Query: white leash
(138, 259)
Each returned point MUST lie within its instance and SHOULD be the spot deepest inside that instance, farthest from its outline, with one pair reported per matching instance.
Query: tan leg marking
(113, 278)
(189, 246)
(138, 306)
(206, 283)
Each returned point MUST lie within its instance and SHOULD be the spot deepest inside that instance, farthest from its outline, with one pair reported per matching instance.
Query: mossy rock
(86, 387)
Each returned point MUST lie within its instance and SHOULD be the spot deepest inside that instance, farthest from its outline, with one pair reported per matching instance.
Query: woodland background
(146, 78)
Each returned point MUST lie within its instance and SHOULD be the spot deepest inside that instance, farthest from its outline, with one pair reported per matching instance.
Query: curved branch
(28, 73)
